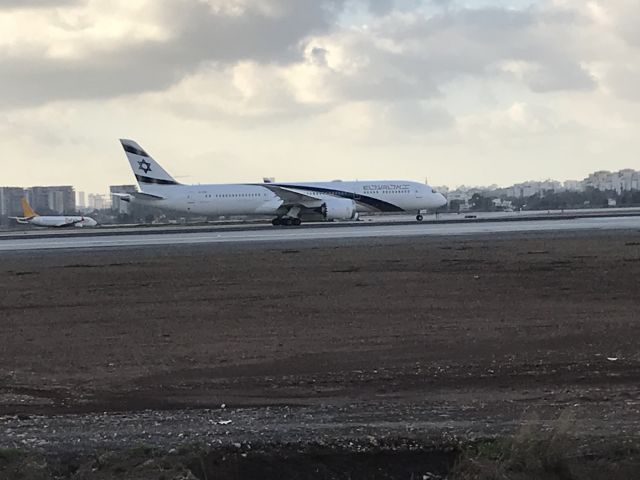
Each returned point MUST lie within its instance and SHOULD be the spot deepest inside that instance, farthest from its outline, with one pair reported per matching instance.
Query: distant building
(81, 201)
(462, 195)
(500, 204)
(600, 180)
(117, 205)
(528, 189)
(627, 180)
(11, 201)
(458, 196)
(622, 181)
(98, 202)
(52, 200)
(573, 186)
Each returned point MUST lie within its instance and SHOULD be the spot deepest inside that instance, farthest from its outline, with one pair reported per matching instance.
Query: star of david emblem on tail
(144, 166)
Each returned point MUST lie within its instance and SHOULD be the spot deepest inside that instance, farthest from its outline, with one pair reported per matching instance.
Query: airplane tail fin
(147, 171)
(28, 212)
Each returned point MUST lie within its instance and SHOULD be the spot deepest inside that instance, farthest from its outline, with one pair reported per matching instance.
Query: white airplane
(289, 203)
(32, 218)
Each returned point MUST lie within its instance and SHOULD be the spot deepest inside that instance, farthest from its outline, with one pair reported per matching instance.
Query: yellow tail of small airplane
(27, 210)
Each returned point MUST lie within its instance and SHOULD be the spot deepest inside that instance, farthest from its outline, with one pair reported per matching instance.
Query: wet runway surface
(284, 234)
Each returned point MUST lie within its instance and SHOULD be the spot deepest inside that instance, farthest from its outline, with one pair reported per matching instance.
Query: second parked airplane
(289, 203)
(57, 221)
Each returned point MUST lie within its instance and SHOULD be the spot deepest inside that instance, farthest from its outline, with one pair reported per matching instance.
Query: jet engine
(339, 209)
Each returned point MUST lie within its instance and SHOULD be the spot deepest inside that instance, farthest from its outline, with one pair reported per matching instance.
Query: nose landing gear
(419, 217)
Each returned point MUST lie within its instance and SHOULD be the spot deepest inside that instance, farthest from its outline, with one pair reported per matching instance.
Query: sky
(454, 91)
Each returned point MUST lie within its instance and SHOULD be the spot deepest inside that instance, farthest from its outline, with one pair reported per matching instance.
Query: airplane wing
(292, 198)
(72, 223)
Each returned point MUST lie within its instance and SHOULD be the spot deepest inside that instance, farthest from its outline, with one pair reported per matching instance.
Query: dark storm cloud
(200, 34)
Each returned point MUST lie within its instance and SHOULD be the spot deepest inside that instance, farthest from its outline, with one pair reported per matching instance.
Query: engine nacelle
(339, 209)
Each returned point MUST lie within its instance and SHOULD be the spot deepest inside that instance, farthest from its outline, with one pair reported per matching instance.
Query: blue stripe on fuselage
(376, 203)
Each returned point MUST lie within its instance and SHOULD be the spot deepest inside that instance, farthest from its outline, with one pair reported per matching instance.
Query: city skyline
(493, 91)
(67, 200)
(629, 179)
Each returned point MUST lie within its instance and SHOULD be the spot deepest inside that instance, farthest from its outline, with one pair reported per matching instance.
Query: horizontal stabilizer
(21, 220)
(127, 197)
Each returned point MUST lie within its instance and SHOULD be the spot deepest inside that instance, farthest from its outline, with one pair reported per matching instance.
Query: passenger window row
(233, 195)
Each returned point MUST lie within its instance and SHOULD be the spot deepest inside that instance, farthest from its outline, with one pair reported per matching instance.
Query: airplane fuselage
(61, 221)
(258, 199)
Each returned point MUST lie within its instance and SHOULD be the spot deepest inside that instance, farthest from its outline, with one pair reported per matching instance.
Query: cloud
(88, 53)
(513, 85)
(423, 53)
(624, 81)
(31, 4)
(380, 7)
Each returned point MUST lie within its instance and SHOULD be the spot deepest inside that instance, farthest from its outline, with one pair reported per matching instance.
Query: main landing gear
(286, 222)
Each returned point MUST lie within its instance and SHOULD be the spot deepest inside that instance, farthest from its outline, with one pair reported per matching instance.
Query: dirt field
(481, 332)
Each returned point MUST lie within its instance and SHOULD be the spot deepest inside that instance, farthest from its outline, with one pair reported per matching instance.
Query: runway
(308, 234)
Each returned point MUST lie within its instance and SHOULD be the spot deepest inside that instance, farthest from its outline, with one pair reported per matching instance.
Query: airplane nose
(441, 200)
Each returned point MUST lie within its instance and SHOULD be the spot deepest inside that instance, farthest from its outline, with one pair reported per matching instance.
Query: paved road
(290, 234)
